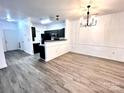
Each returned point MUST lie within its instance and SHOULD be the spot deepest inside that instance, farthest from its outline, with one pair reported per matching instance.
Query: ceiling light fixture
(90, 21)
(46, 21)
(57, 17)
(9, 18)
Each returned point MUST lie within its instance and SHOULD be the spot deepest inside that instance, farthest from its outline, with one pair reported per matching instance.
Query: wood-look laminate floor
(70, 73)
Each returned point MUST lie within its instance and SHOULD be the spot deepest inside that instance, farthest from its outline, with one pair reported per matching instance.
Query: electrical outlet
(113, 52)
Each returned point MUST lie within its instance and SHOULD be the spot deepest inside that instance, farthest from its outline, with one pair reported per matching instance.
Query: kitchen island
(53, 48)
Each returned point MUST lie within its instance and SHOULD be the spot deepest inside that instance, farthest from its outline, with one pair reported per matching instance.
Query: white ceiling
(65, 8)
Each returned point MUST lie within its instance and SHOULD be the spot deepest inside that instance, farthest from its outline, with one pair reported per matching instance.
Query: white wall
(2, 56)
(105, 40)
(25, 36)
(8, 25)
(68, 33)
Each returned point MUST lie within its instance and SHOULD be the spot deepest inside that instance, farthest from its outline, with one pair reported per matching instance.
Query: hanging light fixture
(90, 20)
(57, 17)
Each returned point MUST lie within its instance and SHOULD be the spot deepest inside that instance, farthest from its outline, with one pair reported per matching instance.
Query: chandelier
(89, 20)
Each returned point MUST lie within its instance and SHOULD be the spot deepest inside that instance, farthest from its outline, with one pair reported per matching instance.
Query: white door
(11, 40)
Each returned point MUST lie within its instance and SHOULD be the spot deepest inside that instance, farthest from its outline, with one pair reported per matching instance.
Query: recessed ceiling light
(46, 21)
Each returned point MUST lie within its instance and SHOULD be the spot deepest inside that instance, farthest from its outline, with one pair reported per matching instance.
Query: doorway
(10, 40)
